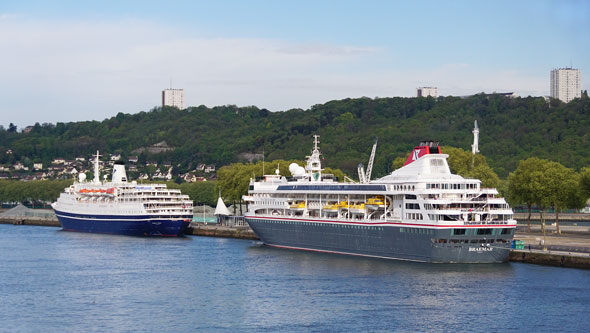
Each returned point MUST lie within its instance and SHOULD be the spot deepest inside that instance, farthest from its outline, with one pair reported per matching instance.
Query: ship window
(458, 231)
(484, 231)
(507, 231)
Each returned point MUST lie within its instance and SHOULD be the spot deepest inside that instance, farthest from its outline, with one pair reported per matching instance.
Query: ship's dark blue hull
(137, 225)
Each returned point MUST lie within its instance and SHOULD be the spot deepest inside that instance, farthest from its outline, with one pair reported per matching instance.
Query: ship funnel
(119, 174)
(425, 148)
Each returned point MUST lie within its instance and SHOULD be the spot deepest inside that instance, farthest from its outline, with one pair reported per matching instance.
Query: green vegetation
(199, 192)
(547, 141)
(39, 190)
(545, 184)
(512, 129)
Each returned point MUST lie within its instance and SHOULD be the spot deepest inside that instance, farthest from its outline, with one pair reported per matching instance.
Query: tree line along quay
(536, 182)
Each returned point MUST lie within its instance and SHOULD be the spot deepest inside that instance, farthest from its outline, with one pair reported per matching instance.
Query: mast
(314, 163)
(96, 169)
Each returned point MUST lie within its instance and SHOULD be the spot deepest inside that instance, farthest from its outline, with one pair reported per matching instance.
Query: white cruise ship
(420, 212)
(122, 207)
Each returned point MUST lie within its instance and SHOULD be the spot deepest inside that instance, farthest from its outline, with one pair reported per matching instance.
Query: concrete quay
(551, 258)
(31, 221)
(570, 248)
(200, 229)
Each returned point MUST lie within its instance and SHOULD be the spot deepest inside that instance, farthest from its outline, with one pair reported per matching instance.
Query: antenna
(315, 141)
(170, 82)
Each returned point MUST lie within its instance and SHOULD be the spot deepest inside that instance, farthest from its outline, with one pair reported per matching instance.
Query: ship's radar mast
(96, 169)
(314, 163)
(474, 146)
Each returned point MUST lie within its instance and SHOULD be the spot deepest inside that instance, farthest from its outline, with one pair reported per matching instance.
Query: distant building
(173, 97)
(427, 91)
(566, 84)
(37, 166)
(19, 166)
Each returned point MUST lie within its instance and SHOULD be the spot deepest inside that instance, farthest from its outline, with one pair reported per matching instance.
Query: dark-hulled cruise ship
(420, 212)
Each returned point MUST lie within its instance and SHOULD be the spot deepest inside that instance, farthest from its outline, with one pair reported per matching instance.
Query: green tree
(523, 184)
(562, 188)
(398, 162)
(585, 182)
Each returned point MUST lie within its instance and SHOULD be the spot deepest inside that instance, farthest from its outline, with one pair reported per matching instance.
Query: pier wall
(220, 231)
(550, 259)
(31, 221)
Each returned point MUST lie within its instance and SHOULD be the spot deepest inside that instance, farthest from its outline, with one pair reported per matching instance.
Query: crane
(366, 177)
(371, 159)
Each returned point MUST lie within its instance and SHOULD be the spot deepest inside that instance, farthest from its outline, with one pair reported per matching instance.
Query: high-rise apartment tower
(173, 97)
(566, 84)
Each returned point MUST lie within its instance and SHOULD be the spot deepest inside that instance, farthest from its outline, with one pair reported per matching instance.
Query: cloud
(70, 70)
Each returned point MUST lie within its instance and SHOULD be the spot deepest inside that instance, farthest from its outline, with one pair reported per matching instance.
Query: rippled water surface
(54, 281)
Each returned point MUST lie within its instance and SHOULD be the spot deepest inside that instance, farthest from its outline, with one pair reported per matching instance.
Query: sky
(63, 61)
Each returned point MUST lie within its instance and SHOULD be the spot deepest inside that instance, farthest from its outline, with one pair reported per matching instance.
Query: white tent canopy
(221, 209)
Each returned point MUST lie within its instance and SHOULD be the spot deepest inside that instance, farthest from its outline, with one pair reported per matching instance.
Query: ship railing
(486, 222)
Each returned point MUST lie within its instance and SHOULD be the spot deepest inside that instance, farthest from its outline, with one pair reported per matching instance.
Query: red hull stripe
(385, 223)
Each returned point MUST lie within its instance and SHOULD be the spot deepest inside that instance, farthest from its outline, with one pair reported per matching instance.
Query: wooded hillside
(511, 129)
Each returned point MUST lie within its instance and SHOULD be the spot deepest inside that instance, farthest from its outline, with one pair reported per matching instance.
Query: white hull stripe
(115, 219)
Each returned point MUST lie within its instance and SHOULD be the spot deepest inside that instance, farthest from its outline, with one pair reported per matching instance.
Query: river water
(55, 281)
